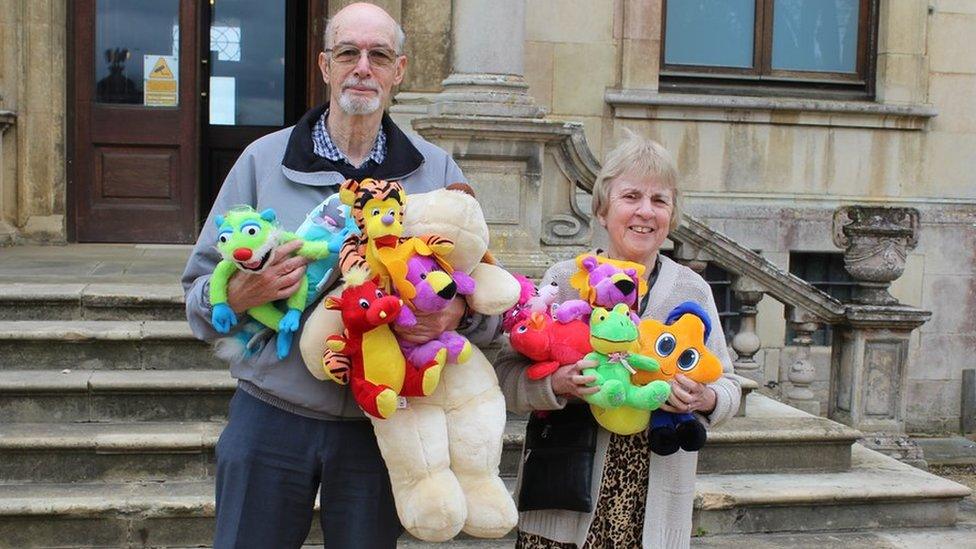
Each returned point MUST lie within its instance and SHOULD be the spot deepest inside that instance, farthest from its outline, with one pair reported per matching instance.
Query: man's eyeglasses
(349, 55)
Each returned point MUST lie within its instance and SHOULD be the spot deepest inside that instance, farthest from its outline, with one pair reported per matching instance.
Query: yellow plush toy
(443, 450)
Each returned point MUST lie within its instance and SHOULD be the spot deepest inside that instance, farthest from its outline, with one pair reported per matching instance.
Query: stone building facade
(767, 170)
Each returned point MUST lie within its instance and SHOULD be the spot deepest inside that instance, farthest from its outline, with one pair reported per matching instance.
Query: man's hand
(568, 381)
(431, 325)
(279, 280)
(689, 396)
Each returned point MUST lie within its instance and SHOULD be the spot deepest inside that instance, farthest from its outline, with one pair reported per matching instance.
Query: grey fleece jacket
(259, 179)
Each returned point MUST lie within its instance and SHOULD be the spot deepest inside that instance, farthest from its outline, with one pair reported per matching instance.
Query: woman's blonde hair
(640, 157)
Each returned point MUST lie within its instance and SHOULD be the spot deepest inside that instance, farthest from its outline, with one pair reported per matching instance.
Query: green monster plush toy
(246, 239)
(612, 335)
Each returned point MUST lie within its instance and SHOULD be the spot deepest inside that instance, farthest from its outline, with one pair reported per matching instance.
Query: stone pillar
(802, 372)
(488, 49)
(7, 230)
(524, 169)
(869, 363)
(746, 341)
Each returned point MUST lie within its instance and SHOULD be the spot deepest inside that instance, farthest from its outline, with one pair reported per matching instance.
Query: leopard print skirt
(618, 522)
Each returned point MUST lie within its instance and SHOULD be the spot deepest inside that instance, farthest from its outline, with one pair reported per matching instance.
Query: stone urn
(875, 240)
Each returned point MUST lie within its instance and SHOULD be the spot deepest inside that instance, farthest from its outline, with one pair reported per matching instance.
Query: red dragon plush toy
(376, 368)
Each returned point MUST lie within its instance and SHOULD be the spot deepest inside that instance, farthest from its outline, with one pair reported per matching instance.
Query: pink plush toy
(530, 300)
(435, 289)
(603, 282)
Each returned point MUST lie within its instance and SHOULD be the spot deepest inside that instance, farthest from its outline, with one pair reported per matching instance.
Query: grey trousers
(270, 464)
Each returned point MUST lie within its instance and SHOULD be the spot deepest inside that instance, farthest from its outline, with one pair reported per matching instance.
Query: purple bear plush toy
(606, 284)
(435, 289)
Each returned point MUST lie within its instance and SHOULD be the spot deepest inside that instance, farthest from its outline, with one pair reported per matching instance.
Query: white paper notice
(222, 104)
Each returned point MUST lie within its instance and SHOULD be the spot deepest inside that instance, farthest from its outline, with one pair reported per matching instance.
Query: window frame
(762, 79)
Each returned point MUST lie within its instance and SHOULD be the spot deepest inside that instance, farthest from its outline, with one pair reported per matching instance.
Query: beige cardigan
(671, 487)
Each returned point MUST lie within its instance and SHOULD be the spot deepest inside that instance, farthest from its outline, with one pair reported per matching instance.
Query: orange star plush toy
(679, 347)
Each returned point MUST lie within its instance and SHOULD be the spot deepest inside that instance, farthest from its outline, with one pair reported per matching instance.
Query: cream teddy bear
(443, 451)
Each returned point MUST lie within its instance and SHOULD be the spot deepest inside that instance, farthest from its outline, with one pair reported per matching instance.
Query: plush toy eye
(223, 238)
(392, 212)
(251, 230)
(363, 303)
(688, 359)
(375, 212)
(665, 344)
(522, 329)
(379, 293)
(423, 276)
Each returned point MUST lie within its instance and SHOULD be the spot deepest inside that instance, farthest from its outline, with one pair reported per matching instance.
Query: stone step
(72, 396)
(776, 438)
(903, 538)
(102, 345)
(107, 452)
(91, 301)
(877, 492)
(138, 514)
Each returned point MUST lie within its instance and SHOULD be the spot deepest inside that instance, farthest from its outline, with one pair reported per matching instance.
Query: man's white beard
(354, 105)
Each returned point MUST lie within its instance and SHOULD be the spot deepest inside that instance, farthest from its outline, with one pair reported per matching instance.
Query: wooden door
(134, 163)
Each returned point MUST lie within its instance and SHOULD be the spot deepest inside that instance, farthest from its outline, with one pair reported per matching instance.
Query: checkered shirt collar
(323, 145)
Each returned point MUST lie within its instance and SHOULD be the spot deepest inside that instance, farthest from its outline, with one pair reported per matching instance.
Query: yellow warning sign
(161, 83)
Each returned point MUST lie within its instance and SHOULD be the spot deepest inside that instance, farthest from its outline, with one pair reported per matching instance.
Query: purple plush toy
(435, 289)
(603, 282)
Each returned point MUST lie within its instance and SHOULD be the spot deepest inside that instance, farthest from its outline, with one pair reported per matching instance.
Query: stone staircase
(110, 411)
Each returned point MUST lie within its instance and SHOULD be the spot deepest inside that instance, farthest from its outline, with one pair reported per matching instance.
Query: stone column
(870, 358)
(746, 341)
(488, 50)
(524, 169)
(7, 211)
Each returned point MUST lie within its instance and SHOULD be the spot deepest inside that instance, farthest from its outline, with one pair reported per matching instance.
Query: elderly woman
(639, 499)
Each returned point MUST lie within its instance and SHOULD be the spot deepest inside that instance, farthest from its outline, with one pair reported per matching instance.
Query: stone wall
(32, 84)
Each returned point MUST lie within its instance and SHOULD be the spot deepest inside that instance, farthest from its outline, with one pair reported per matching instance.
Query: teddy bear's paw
(386, 403)
(433, 508)
(491, 511)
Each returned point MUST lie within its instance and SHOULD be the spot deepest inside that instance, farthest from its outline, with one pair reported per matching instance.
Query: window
(726, 304)
(792, 47)
(826, 272)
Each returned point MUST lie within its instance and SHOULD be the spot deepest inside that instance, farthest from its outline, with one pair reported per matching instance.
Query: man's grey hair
(400, 39)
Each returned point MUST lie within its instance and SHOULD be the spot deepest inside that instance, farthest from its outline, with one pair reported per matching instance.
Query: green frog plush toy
(612, 335)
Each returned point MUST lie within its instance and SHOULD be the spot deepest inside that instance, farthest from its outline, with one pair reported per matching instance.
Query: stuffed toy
(329, 222)
(531, 300)
(443, 451)
(246, 240)
(612, 335)
(435, 289)
(377, 207)
(679, 347)
(603, 282)
(549, 343)
(378, 372)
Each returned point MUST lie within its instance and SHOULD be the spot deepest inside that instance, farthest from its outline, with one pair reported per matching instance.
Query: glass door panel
(136, 52)
(247, 63)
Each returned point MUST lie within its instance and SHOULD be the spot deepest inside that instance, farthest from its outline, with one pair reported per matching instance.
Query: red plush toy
(550, 344)
(368, 351)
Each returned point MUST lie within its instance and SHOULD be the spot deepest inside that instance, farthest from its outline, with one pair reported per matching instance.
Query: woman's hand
(278, 280)
(431, 325)
(689, 396)
(568, 381)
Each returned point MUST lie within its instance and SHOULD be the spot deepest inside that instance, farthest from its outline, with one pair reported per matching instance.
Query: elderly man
(289, 433)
